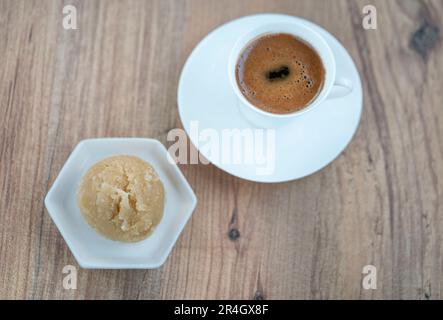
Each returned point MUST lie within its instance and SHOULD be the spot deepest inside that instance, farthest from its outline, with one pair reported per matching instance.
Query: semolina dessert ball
(122, 198)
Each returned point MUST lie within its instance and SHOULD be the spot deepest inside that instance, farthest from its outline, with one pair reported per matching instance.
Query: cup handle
(341, 88)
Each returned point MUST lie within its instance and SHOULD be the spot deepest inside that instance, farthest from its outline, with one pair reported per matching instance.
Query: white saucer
(305, 146)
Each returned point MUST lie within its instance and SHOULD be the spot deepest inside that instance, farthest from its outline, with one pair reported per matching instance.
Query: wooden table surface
(380, 203)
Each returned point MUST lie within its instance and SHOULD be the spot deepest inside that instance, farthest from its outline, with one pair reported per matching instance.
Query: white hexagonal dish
(95, 251)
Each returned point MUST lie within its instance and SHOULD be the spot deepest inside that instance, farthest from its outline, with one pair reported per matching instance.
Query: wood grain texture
(379, 203)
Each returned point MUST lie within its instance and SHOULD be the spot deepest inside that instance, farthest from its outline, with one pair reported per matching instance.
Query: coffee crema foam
(280, 73)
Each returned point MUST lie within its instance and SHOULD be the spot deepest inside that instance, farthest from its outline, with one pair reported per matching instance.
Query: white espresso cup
(333, 86)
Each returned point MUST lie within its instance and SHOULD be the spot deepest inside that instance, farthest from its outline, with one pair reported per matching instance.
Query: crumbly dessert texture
(122, 198)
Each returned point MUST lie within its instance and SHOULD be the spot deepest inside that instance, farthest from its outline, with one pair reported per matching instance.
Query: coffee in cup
(280, 73)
